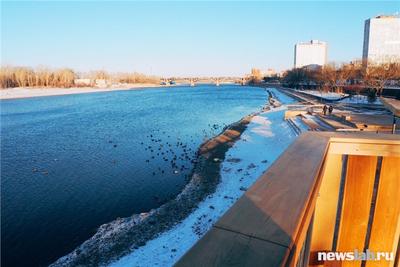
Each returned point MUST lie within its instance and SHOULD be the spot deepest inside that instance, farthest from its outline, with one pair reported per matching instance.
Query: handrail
(270, 223)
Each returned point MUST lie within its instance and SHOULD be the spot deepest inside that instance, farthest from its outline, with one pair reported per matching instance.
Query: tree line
(28, 77)
(64, 78)
(354, 76)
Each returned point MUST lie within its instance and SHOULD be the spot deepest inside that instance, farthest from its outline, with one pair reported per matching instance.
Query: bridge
(192, 81)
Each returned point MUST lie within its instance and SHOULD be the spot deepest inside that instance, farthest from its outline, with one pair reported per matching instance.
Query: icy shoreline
(28, 92)
(119, 237)
(227, 165)
(265, 138)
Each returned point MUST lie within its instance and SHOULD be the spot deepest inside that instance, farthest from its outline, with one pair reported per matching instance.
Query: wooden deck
(345, 121)
(392, 104)
(317, 196)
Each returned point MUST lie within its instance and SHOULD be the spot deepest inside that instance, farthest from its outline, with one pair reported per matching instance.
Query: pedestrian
(324, 109)
(330, 110)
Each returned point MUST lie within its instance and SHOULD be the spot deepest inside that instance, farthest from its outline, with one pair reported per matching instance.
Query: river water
(71, 163)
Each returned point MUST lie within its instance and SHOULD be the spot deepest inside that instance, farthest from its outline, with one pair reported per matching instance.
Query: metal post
(394, 124)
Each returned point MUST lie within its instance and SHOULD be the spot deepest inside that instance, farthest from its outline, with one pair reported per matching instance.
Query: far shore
(27, 92)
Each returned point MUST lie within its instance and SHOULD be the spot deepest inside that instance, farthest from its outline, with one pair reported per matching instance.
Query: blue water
(72, 163)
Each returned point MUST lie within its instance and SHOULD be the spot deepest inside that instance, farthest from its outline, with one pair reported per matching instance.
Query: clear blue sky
(179, 38)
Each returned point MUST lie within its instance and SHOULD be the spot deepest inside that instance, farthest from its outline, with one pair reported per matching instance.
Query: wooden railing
(327, 192)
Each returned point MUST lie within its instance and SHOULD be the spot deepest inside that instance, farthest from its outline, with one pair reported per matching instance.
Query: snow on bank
(283, 98)
(265, 138)
(26, 92)
(324, 95)
(361, 99)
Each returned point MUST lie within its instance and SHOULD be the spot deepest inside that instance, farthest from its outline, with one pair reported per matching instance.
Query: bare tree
(326, 77)
(298, 77)
(7, 77)
(136, 78)
(64, 78)
(336, 77)
(100, 74)
(378, 75)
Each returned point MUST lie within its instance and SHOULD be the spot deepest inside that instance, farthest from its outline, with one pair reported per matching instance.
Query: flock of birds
(173, 150)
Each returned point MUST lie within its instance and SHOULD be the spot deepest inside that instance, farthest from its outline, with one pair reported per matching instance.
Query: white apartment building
(313, 53)
(382, 40)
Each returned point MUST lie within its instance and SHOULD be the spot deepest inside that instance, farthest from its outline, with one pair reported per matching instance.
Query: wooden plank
(326, 205)
(365, 149)
(280, 204)
(358, 189)
(363, 138)
(380, 130)
(225, 248)
(386, 223)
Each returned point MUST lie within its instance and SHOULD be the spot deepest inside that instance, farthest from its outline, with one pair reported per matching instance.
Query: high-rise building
(313, 53)
(382, 40)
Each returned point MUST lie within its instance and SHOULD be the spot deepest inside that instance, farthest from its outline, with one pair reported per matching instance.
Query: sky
(184, 38)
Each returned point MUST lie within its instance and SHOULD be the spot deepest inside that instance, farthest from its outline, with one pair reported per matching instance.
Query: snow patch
(361, 99)
(325, 95)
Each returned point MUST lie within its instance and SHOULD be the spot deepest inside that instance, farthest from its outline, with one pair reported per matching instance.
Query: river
(71, 163)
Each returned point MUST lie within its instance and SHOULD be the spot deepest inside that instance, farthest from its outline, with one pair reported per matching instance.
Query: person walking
(324, 109)
(330, 110)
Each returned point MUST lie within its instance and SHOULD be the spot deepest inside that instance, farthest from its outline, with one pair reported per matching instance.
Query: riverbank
(26, 92)
(123, 235)
(264, 139)
(217, 181)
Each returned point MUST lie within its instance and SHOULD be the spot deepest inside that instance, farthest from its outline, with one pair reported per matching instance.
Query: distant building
(83, 82)
(256, 73)
(382, 40)
(314, 53)
(269, 73)
(101, 83)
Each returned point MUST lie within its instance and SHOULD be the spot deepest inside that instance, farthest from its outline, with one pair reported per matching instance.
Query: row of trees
(65, 78)
(136, 78)
(336, 77)
(27, 77)
(122, 77)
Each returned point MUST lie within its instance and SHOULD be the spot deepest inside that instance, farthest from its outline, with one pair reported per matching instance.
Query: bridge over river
(207, 80)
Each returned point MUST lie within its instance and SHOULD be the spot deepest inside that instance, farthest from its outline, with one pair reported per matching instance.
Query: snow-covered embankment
(265, 138)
